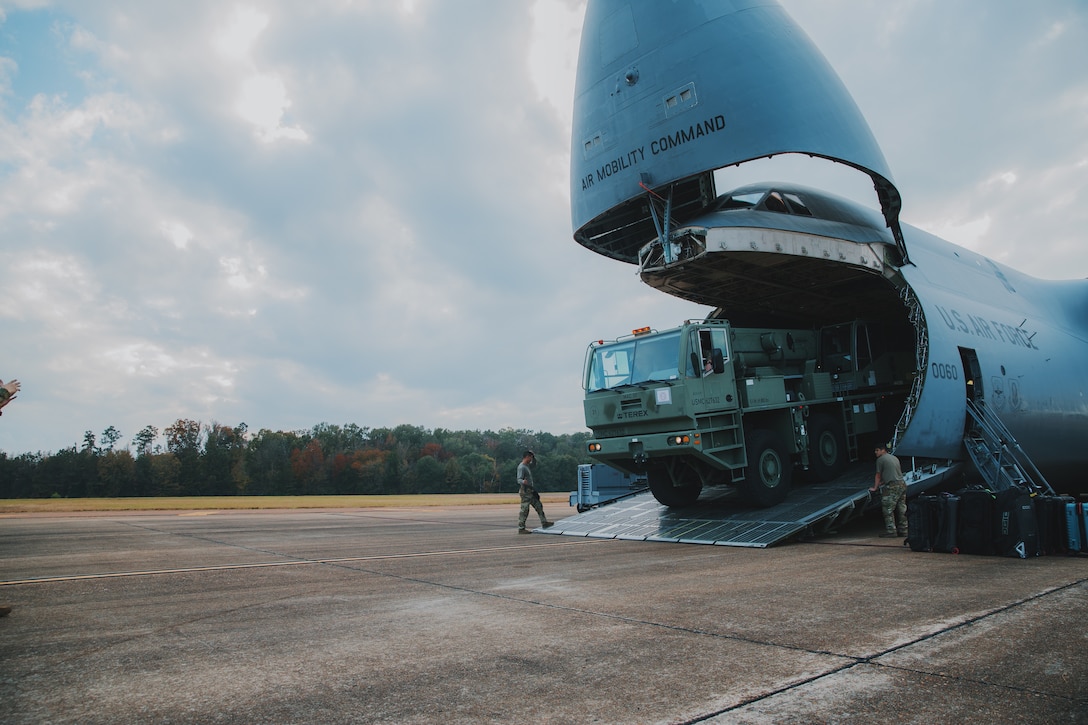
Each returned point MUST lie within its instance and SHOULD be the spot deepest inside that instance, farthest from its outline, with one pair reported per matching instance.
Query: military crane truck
(708, 404)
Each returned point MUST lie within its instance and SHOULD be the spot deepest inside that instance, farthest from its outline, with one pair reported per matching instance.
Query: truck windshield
(633, 361)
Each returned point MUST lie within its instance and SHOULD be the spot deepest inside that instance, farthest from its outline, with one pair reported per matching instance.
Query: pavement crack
(871, 660)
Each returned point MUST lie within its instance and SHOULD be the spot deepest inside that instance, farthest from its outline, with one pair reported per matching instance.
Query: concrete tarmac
(432, 615)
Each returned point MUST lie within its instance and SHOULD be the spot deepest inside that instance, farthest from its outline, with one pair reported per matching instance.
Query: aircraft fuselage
(981, 330)
(668, 93)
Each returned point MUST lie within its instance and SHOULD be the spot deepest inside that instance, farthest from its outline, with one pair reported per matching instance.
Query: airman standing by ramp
(893, 493)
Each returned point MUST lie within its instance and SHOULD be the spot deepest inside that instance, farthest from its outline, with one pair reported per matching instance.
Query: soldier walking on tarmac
(528, 494)
(893, 493)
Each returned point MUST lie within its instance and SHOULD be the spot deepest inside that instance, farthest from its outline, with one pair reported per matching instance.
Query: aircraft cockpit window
(775, 202)
(740, 201)
(796, 205)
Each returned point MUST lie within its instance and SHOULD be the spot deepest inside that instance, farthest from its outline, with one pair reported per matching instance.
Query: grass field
(231, 503)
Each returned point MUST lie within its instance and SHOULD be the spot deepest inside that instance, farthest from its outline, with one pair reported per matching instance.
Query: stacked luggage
(931, 523)
(1076, 524)
(1013, 522)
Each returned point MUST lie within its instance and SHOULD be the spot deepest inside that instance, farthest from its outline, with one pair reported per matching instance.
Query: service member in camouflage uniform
(528, 494)
(893, 493)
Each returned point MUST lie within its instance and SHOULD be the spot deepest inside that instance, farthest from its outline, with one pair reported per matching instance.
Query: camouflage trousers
(893, 504)
(529, 497)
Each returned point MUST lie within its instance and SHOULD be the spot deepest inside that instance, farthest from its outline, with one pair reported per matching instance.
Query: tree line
(216, 460)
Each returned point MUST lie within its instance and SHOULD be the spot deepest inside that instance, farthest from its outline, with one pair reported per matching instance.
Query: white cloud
(141, 359)
(54, 160)
(262, 101)
(553, 57)
(235, 39)
(1005, 177)
(553, 52)
(261, 98)
(967, 233)
(47, 289)
(178, 234)
(8, 68)
(1055, 31)
(242, 274)
(81, 39)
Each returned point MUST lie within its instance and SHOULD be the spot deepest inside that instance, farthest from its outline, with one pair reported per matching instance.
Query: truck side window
(695, 357)
(703, 344)
(717, 340)
(864, 352)
(706, 347)
(835, 351)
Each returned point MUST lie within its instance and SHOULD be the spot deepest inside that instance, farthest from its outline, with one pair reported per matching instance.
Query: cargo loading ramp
(720, 518)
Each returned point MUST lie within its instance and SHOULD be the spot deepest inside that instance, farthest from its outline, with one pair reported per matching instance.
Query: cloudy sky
(285, 213)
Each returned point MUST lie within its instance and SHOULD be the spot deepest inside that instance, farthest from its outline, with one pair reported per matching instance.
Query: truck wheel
(668, 494)
(767, 477)
(827, 448)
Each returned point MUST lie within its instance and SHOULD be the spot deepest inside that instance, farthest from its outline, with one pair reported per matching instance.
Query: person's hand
(10, 388)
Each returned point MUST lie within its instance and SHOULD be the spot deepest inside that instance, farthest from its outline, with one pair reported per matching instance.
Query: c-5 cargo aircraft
(669, 92)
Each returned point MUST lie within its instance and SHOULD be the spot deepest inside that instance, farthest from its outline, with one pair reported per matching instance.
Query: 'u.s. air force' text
(988, 329)
(657, 146)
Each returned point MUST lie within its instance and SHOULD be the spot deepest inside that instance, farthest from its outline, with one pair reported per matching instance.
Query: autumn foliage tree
(191, 458)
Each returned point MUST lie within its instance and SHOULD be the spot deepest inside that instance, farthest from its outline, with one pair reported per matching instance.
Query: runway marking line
(298, 562)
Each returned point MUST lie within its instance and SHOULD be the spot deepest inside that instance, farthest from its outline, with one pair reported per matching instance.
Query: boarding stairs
(996, 454)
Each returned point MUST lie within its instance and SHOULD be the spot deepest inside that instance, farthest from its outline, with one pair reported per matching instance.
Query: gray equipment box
(599, 483)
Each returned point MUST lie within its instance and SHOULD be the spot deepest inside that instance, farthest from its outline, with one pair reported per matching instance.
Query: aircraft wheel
(769, 473)
(827, 452)
(668, 494)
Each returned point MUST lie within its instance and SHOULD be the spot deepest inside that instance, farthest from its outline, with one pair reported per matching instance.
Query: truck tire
(668, 494)
(827, 448)
(769, 473)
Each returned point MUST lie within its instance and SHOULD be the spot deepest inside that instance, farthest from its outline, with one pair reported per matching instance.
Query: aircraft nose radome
(667, 93)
